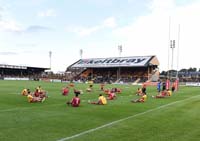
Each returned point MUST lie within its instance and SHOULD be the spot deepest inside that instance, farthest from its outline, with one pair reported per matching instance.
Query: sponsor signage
(193, 84)
(113, 62)
(9, 78)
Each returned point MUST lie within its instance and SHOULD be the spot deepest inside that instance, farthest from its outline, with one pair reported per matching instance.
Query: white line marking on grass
(123, 119)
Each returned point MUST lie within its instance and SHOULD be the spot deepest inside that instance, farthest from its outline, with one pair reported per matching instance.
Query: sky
(30, 29)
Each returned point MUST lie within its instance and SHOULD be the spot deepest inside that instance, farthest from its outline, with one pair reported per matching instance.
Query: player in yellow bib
(24, 92)
(169, 93)
(142, 99)
(101, 100)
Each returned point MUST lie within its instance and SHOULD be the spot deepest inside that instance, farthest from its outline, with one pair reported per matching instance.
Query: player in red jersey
(163, 94)
(111, 96)
(75, 102)
(65, 91)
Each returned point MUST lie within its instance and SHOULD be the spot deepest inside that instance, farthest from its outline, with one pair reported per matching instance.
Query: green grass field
(171, 119)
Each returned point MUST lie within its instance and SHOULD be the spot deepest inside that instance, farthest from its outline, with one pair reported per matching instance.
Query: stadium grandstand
(117, 69)
(20, 72)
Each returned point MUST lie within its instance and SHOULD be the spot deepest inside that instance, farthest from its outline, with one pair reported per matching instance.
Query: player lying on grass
(143, 98)
(163, 94)
(75, 102)
(33, 99)
(101, 100)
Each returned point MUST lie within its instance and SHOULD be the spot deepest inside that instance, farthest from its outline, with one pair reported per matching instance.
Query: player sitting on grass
(88, 89)
(75, 102)
(163, 94)
(102, 86)
(139, 91)
(106, 91)
(111, 96)
(91, 84)
(40, 93)
(71, 84)
(65, 91)
(116, 90)
(33, 99)
(169, 93)
(101, 100)
(25, 92)
(78, 92)
(142, 99)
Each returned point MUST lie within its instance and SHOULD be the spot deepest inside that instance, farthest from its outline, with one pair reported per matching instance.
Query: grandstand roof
(134, 61)
(5, 66)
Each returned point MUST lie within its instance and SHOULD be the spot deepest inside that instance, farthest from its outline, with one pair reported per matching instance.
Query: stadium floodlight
(50, 54)
(81, 53)
(119, 70)
(169, 38)
(178, 50)
(120, 49)
(172, 46)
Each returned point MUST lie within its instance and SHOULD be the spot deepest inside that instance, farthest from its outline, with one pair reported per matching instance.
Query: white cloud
(162, 6)
(6, 23)
(11, 26)
(86, 31)
(47, 13)
(148, 35)
(83, 31)
(110, 22)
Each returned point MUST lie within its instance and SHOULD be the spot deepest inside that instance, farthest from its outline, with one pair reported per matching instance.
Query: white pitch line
(123, 119)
